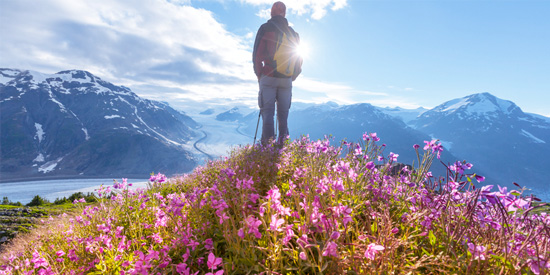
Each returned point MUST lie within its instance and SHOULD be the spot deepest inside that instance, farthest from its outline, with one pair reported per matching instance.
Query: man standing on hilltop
(276, 64)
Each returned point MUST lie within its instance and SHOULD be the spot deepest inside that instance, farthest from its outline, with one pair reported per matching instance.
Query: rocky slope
(73, 123)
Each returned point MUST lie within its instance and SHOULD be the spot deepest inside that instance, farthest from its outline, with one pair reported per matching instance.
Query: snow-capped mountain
(231, 115)
(494, 134)
(505, 144)
(73, 123)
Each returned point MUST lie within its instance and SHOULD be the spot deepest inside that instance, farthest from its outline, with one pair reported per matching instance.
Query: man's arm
(256, 61)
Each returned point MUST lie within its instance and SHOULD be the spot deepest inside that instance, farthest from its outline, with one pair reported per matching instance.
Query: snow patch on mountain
(39, 132)
(87, 137)
(7, 75)
(113, 116)
(532, 137)
(39, 158)
(7, 99)
(49, 166)
(54, 100)
(455, 104)
(4, 79)
(37, 77)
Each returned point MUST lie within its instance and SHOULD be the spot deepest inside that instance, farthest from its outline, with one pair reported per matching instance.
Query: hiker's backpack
(286, 59)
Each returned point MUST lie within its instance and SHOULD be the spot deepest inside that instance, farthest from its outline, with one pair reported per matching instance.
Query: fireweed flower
(460, 167)
(372, 249)
(436, 148)
(331, 249)
(253, 225)
(479, 178)
(38, 260)
(393, 157)
(478, 251)
(276, 223)
(429, 144)
(358, 150)
(156, 238)
(208, 244)
(213, 262)
(159, 178)
(370, 165)
(289, 234)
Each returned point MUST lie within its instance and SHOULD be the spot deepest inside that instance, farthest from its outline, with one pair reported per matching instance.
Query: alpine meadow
(265, 137)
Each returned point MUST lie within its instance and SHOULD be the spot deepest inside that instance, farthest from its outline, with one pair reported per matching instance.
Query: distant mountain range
(505, 144)
(72, 124)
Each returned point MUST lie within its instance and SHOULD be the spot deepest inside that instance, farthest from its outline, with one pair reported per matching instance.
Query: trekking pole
(277, 121)
(257, 124)
(277, 127)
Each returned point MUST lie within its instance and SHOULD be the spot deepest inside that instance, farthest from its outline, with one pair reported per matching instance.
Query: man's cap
(278, 8)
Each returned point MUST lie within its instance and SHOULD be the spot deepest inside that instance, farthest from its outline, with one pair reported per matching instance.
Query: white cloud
(161, 49)
(123, 41)
(337, 92)
(316, 9)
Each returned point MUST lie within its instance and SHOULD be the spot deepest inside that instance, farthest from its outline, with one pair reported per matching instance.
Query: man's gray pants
(274, 92)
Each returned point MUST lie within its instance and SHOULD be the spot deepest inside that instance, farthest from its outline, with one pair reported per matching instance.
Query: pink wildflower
(393, 157)
(331, 249)
(208, 244)
(213, 262)
(478, 251)
(253, 225)
(372, 249)
(276, 223)
(156, 238)
(182, 269)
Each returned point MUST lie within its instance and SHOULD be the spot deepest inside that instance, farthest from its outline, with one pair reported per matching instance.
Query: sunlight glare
(302, 50)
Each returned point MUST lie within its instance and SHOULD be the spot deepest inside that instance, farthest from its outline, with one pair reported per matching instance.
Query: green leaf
(425, 252)
(374, 227)
(431, 237)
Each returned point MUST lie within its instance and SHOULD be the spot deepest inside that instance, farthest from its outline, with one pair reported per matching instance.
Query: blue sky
(388, 53)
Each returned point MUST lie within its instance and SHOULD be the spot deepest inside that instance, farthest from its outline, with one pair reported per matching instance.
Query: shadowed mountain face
(72, 123)
(505, 144)
(494, 134)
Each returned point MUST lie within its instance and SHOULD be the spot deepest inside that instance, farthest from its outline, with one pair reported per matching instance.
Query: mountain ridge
(74, 123)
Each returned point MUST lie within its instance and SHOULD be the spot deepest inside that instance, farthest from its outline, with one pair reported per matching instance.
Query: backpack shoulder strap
(288, 32)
